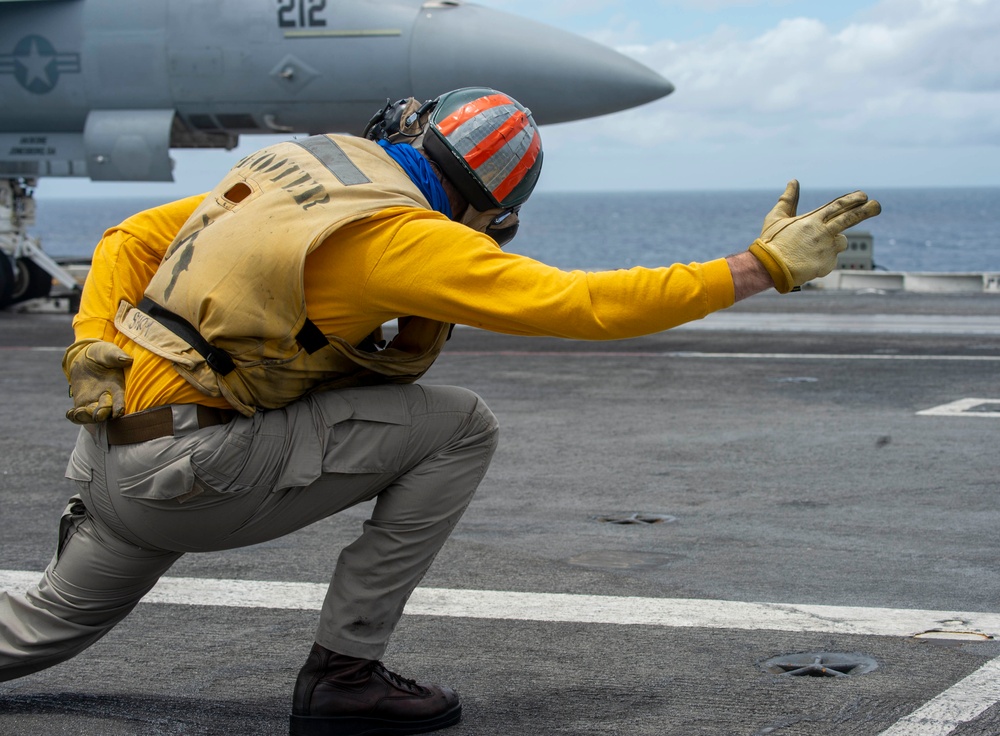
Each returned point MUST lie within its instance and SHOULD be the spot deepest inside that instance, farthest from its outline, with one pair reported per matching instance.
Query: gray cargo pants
(421, 450)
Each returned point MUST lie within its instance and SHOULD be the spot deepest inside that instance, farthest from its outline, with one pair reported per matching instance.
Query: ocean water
(937, 230)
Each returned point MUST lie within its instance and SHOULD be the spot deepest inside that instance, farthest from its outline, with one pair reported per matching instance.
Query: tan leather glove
(796, 249)
(96, 373)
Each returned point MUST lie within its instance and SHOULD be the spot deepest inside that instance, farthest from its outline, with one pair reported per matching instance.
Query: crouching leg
(94, 580)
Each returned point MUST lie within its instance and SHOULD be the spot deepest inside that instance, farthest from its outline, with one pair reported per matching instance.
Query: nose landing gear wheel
(6, 280)
(31, 281)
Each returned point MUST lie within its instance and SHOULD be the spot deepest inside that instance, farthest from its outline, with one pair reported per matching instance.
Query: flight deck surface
(821, 469)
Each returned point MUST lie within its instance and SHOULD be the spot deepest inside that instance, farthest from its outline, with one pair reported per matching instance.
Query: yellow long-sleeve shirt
(405, 261)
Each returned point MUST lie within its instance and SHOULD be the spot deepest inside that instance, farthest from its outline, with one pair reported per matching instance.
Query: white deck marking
(675, 354)
(832, 356)
(564, 607)
(922, 324)
(692, 613)
(573, 608)
(838, 323)
(959, 704)
(726, 356)
(965, 408)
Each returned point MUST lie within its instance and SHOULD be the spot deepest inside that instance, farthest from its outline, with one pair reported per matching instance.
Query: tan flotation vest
(227, 304)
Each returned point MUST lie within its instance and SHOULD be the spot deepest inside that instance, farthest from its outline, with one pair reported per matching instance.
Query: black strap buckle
(217, 358)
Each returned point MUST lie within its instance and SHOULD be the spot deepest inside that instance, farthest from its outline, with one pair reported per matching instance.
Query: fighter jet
(105, 88)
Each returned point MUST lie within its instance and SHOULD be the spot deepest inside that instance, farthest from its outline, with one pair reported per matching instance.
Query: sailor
(234, 385)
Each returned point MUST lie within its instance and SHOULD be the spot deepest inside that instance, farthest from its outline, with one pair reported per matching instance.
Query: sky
(849, 94)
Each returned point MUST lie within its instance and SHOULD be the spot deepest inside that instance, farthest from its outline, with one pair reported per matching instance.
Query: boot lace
(397, 680)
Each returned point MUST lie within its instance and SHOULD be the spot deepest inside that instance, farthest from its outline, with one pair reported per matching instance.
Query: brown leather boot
(336, 695)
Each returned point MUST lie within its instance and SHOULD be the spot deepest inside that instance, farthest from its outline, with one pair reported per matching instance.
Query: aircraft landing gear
(6, 280)
(31, 281)
(26, 272)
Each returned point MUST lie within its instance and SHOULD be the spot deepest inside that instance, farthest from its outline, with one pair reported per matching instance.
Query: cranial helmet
(488, 146)
(485, 142)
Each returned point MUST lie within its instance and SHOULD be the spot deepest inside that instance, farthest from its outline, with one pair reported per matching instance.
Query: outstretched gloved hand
(796, 249)
(96, 373)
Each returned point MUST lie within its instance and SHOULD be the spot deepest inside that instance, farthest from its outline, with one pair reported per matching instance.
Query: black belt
(159, 422)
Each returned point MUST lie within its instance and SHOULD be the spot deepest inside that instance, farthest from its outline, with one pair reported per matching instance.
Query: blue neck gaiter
(420, 173)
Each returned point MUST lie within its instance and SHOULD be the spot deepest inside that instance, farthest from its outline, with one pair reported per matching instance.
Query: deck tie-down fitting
(820, 664)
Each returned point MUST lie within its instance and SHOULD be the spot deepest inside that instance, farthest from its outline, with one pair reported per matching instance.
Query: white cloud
(909, 72)
(584, 7)
(717, 5)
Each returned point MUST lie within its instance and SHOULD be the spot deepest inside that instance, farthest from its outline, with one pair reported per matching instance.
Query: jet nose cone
(558, 75)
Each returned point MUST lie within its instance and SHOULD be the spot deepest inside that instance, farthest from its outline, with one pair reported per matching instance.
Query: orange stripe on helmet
(492, 143)
(469, 111)
(526, 162)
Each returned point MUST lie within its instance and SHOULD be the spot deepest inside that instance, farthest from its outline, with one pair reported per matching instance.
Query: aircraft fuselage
(103, 88)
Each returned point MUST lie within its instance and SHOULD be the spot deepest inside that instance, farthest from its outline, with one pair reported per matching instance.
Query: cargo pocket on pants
(78, 470)
(72, 517)
(371, 437)
(169, 481)
(80, 473)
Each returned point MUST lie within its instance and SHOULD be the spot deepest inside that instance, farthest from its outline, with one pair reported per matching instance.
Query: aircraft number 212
(301, 13)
